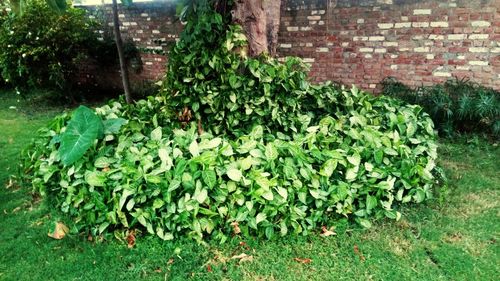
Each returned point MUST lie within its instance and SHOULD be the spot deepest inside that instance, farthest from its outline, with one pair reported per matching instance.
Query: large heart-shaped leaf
(80, 134)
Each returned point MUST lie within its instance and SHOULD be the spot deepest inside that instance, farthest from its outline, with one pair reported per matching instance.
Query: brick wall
(418, 42)
(151, 27)
(354, 41)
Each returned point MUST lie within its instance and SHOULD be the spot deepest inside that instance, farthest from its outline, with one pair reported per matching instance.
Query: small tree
(121, 55)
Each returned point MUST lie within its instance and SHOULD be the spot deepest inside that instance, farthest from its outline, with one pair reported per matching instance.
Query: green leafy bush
(41, 48)
(276, 155)
(173, 181)
(455, 106)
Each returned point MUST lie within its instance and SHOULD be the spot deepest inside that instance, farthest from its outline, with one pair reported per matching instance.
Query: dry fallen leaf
(209, 268)
(242, 257)
(304, 261)
(325, 232)
(10, 184)
(170, 261)
(131, 239)
(236, 227)
(244, 245)
(158, 270)
(59, 231)
(358, 252)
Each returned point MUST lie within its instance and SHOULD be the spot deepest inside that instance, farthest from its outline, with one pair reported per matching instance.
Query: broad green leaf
(80, 134)
(142, 220)
(268, 195)
(283, 192)
(164, 235)
(234, 174)
(263, 182)
(271, 152)
(328, 168)
(201, 196)
(227, 149)
(355, 159)
(209, 144)
(379, 156)
(95, 178)
(209, 178)
(314, 193)
(260, 217)
(371, 202)
(126, 193)
(246, 163)
(103, 227)
(194, 149)
(419, 195)
(103, 162)
(351, 174)
(269, 232)
(156, 134)
(257, 132)
(158, 203)
(130, 204)
(365, 223)
(112, 126)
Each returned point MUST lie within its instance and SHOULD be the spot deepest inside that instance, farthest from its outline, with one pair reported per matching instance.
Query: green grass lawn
(451, 239)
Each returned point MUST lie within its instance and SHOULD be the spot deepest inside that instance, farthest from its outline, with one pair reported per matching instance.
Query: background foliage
(455, 106)
(42, 47)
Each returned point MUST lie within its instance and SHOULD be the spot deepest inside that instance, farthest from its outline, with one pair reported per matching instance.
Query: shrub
(455, 106)
(276, 155)
(41, 48)
(359, 162)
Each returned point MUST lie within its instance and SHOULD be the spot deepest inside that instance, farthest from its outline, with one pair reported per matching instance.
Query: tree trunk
(251, 16)
(121, 56)
(273, 17)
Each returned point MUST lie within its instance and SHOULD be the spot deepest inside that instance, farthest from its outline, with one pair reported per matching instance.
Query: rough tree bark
(260, 21)
(121, 55)
(273, 14)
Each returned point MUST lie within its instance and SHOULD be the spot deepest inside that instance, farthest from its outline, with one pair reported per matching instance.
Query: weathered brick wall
(151, 27)
(353, 41)
(418, 42)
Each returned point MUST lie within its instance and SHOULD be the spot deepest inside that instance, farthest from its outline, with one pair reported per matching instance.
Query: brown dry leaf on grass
(242, 257)
(236, 227)
(325, 232)
(59, 231)
(131, 239)
(13, 184)
(358, 253)
(304, 261)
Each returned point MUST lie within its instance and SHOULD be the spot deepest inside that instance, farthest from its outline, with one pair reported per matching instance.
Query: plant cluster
(234, 145)
(455, 106)
(41, 48)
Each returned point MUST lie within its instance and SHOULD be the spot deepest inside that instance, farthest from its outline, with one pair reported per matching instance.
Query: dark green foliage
(276, 155)
(455, 106)
(105, 54)
(42, 47)
(229, 92)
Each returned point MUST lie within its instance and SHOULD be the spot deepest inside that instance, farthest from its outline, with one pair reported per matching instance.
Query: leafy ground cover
(454, 238)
